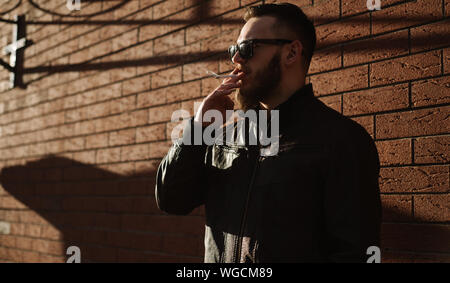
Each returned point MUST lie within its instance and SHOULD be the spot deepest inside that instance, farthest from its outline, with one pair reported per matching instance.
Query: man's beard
(262, 87)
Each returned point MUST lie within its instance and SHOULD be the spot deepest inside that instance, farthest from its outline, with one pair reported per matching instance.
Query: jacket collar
(290, 109)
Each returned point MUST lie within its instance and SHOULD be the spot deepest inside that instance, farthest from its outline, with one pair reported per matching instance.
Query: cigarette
(212, 74)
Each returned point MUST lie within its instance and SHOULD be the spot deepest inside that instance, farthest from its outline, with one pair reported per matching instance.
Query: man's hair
(292, 18)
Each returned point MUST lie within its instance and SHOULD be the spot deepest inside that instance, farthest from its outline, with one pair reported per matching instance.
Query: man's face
(263, 71)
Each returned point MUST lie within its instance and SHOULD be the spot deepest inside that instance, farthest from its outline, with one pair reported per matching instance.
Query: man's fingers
(233, 79)
(224, 91)
(230, 85)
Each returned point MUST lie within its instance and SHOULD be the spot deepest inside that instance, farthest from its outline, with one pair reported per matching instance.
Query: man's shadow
(114, 218)
(110, 217)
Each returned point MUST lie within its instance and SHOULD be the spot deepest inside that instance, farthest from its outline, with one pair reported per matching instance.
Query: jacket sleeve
(351, 198)
(181, 176)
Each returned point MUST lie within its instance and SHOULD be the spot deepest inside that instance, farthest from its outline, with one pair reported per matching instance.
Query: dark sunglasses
(245, 48)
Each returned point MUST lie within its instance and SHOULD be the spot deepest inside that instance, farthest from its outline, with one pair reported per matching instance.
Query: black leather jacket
(317, 200)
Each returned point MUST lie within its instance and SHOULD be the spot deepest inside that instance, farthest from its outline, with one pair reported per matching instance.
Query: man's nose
(237, 58)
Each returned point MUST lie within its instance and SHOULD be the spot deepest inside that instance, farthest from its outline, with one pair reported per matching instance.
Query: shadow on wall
(114, 218)
(110, 217)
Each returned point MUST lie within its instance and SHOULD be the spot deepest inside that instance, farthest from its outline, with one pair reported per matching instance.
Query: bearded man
(315, 200)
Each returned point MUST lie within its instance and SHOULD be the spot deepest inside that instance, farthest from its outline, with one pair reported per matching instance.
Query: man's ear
(295, 52)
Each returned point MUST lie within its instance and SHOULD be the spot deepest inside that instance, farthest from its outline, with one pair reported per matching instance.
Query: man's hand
(219, 98)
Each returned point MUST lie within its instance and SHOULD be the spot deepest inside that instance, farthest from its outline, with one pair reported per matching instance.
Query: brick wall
(80, 145)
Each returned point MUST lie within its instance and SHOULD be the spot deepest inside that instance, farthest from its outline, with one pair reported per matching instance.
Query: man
(317, 199)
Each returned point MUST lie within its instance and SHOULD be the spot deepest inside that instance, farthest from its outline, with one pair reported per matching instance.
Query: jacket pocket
(223, 156)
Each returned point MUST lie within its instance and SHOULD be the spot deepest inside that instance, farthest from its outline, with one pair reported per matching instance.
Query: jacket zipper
(244, 215)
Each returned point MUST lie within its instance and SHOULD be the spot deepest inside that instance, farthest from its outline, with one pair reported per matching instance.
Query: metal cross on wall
(16, 52)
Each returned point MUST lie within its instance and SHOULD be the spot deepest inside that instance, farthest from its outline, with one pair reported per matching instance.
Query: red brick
(162, 113)
(423, 179)
(151, 133)
(183, 91)
(120, 168)
(447, 8)
(446, 60)
(50, 232)
(122, 73)
(135, 85)
(351, 7)
(8, 241)
(159, 149)
(108, 92)
(405, 68)
(216, 7)
(85, 127)
(432, 150)
(145, 205)
(17, 228)
(31, 257)
(430, 91)
(166, 8)
(90, 38)
(432, 208)
(376, 100)
(333, 101)
(133, 119)
(122, 137)
(97, 110)
(255, 2)
(198, 69)
(123, 104)
(132, 240)
(416, 12)
(151, 31)
(128, 8)
(181, 55)
(166, 77)
(201, 31)
(366, 122)
(99, 253)
(333, 82)
(416, 237)
(74, 144)
(341, 31)
(325, 60)
(394, 152)
(376, 48)
(323, 11)
(408, 257)
(152, 98)
(87, 157)
(96, 141)
(48, 247)
(144, 50)
(222, 42)
(134, 152)
(396, 208)
(170, 41)
(208, 85)
(430, 36)
(15, 255)
(108, 155)
(181, 245)
(147, 3)
(412, 123)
